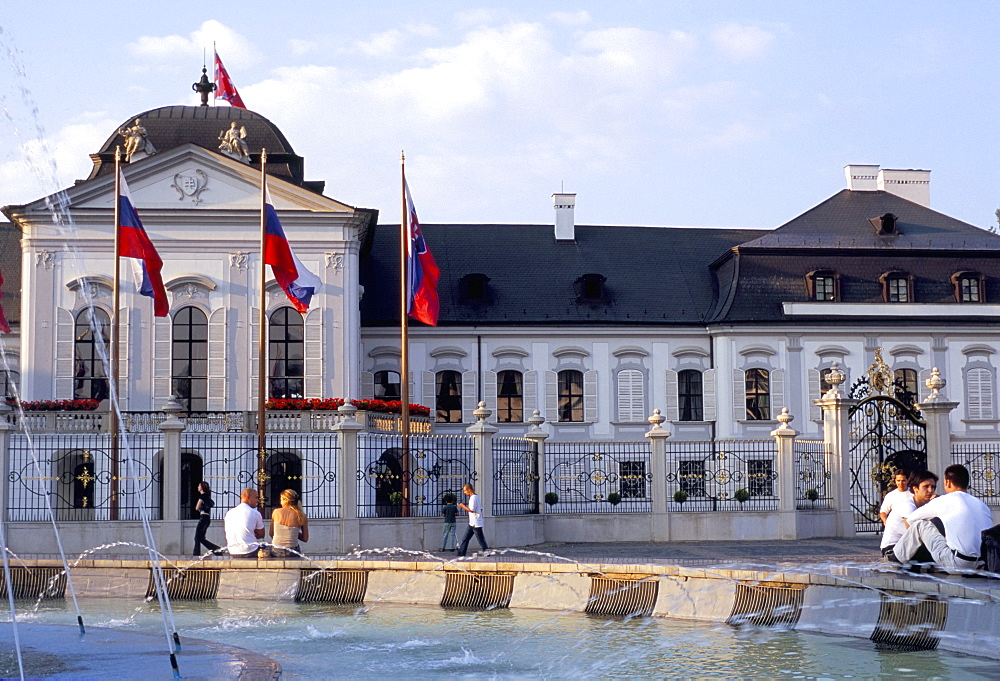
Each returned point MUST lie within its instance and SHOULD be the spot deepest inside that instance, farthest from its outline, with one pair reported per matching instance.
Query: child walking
(448, 510)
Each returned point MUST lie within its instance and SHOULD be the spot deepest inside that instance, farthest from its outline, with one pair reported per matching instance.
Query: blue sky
(733, 114)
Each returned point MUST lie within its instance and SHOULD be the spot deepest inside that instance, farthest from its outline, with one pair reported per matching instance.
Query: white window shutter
(530, 393)
(815, 393)
(162, 368)
(490, 388)
(255, 354)
(313, 369)
(368, 386)
(590, 396)
(631, 405)
(429, 396)
(979, 391)
(65, 364)
(777, 392)
(217, 342)
(673, 401)
(923, 392)
(739, 395)
(411, 387)
(468, 396)
(124, 353)
(551, 396)
(709, 402)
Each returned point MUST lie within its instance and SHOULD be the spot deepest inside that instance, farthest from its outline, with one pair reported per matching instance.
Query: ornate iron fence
(393, 483)
(722, 475)
(515, 476)
(598, 477)
(982, 460)
(811, 474)
(76, 476)
(305, 462)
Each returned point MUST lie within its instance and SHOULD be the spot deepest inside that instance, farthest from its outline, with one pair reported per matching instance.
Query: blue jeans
(448, 537)
(478, 531)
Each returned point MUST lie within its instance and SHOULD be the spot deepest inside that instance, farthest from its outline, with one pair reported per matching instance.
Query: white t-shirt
(894, 526)
(476, 511)
(892, 498)
(240, 522)
(964, 517)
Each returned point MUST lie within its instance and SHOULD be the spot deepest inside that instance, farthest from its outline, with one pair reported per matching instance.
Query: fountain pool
(388, 640)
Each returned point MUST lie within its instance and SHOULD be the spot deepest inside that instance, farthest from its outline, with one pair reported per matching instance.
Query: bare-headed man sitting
(244, 525)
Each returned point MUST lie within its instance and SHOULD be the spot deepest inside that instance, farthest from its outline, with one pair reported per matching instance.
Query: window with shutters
(189, 359)
(631, 396)
(979, 393)
(758, 394)
(690, 395)
(286, 354)
(9, 383)
(448, 391)
(906, 386)
(510, 396)
(91, 339)
(387, 386)
(570, 396)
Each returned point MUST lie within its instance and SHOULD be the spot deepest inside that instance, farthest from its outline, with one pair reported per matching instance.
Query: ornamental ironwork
(722, 475)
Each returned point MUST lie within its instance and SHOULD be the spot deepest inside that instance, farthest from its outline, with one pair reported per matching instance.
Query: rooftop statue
(136, 140)
(232, 142)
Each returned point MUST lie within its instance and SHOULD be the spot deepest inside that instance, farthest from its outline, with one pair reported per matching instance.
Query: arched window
(510, 396)
(189, 359)
(285, 354)
(690, 394)
(906, 385)
(570, 396)
(631, 396)
(284, 470)
(387, 385)
(449, 396)
(10, 381)
(90, 341)
(758, 394)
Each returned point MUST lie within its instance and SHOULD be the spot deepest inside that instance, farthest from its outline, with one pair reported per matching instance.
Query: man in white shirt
(901, 493)
(922, 485)
(949, 527)
(475, 509)
(244, 525)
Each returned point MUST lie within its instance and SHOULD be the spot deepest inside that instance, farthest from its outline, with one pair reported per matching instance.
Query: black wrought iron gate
(886, 433)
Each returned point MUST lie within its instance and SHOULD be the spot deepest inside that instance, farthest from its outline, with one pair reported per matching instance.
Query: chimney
(862, 178)
(912, 185)
(564, 205)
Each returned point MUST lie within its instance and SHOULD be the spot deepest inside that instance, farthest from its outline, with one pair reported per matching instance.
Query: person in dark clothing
(204, 508)
(449, 510)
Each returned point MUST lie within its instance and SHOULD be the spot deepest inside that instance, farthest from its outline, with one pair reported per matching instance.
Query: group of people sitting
(924, 527)
(244, 525)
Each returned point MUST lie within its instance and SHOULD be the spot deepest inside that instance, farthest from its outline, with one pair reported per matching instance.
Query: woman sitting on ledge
(289, 526)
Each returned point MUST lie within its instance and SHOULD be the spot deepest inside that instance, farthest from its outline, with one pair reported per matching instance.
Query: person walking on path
(203, 507)
(475, 510)
(244, 526)
(449, 510)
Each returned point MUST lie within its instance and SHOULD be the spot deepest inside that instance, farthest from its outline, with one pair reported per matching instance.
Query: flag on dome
(224, 88)
(134, 243)
(422, 270)
(298, 283)
(4, 326)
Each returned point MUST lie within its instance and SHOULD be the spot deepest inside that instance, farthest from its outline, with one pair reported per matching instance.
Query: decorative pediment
(189, 286)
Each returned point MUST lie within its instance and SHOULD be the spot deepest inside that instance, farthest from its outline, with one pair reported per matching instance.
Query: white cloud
(578, 18)
(233, 47)
(302, 47)
(738, 43)
(381, 44)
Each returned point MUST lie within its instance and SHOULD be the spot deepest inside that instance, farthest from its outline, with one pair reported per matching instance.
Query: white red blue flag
(298, 283)
(224, 88)
(133, 242)
(4, 326)
(422, 270)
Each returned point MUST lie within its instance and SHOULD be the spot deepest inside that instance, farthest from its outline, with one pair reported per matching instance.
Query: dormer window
(590, 289)
(968, 287)
(823, 285)
(474, 289)
(885, 225)
(897, 287)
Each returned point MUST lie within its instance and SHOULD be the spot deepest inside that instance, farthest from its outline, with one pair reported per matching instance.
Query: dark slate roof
(654, 275)
(842, 222)
(173, 126)
(10, 266)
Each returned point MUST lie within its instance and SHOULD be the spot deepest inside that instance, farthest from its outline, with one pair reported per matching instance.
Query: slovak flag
(133, 242)
(422, 270)
(224, 88)
(298, 283)
(4, 326)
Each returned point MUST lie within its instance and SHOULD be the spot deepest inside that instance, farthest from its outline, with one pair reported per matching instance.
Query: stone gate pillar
(5, 431)
(172, 427)
(785, 440)
(657, 436)
(482, 434)
(836, 427)
(538, 436)
(937, 414)
(347, 483)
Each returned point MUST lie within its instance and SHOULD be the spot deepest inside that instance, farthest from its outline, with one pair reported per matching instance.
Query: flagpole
(115, 306)
(404, 355)
(262, 382)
